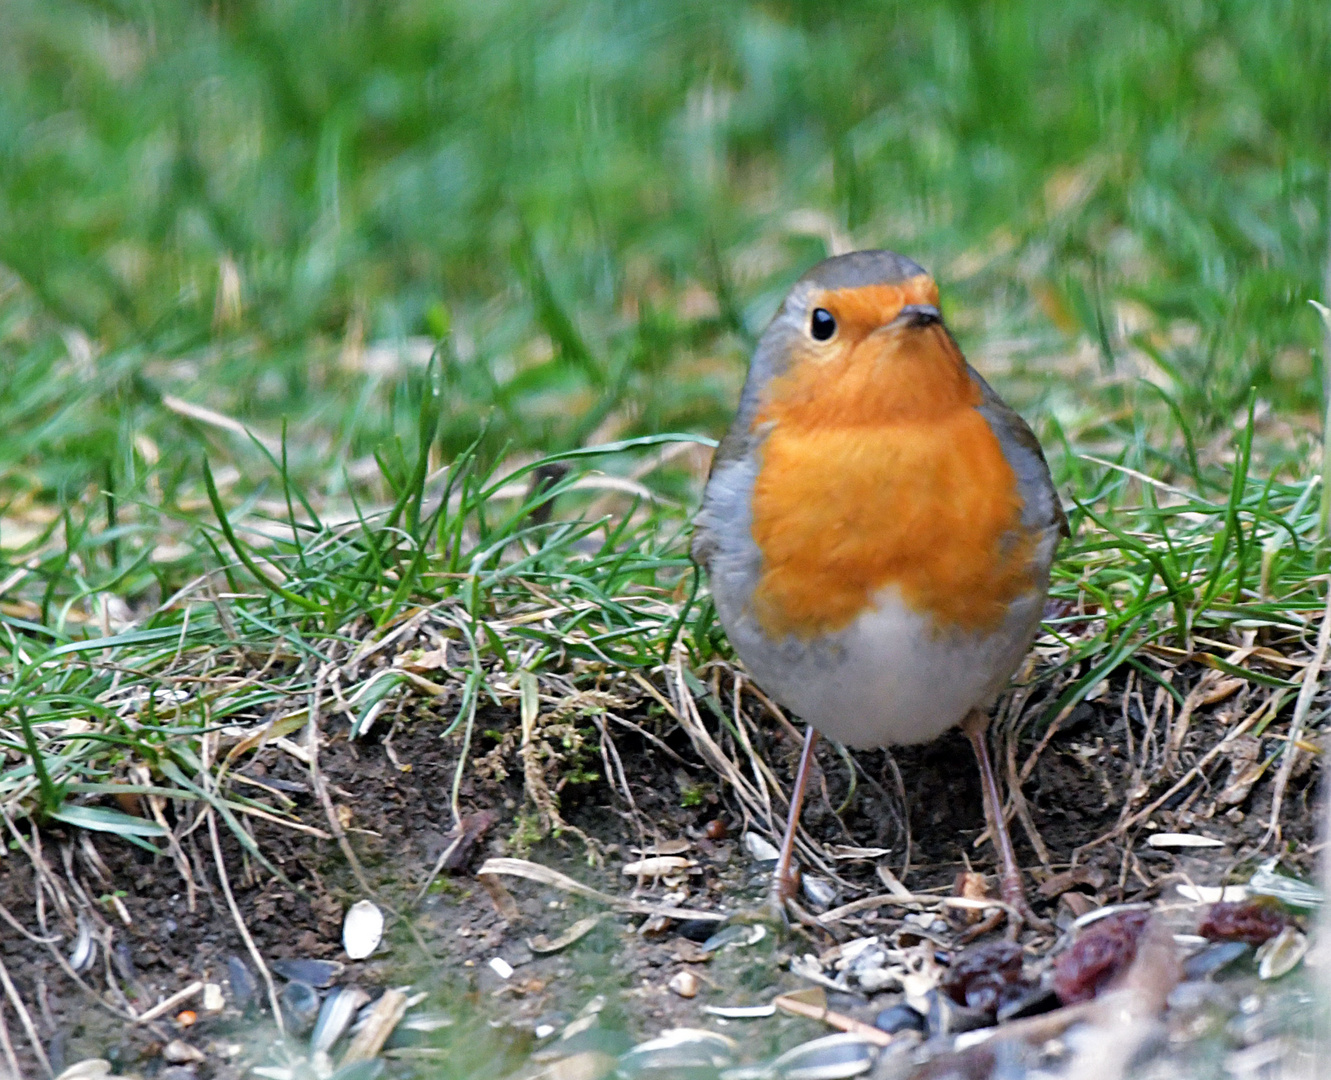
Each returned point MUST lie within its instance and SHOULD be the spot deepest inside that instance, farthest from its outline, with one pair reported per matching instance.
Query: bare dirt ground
(392, 797)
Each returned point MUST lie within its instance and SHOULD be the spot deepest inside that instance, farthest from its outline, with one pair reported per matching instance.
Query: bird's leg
(783, 881)
(976, 727)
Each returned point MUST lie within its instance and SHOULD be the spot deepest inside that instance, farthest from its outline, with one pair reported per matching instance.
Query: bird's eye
(822, 326)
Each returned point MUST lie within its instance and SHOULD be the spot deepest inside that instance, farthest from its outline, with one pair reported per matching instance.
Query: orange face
(877, 471)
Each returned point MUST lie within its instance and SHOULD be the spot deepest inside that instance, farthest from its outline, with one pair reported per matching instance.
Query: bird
(878, 528)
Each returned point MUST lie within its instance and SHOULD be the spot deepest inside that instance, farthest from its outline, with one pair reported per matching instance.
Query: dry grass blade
(25, 1018)
(543, 875)
(7, 1045)
(911, 900)
(237, 918)
(320, 787)
(1312, 675)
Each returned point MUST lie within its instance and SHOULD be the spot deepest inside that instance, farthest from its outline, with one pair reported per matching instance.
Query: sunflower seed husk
(735, 936)
(740, 1012)
(339, 1010)
(244, 987)
(679, 1049)
(1214, 958)
(317, 973)
(85, 949)
(657, 866)
(362, 929)
(87, 1069)
(1182, 840)
(1281, 954)
(830, 1058)
(300, 1006)
(1213, 894)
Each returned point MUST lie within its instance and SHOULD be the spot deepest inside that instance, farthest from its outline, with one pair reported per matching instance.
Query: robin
(878, 526)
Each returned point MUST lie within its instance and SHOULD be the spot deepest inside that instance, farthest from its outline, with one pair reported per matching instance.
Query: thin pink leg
(976, 727)
(783, 881)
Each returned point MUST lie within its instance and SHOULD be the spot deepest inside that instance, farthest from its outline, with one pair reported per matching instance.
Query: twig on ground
(1018, 800)
(793, 1005)
(167, 1004)
(614, 769)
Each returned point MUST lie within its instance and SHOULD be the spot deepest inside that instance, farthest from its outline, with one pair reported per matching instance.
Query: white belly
(890, 677)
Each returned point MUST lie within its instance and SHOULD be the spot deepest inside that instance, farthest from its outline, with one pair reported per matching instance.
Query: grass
(312, 324)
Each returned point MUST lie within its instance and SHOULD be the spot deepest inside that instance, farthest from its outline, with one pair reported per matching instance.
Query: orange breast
(877, 471)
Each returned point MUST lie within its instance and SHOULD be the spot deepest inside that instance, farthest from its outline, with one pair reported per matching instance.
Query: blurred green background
(277, 209)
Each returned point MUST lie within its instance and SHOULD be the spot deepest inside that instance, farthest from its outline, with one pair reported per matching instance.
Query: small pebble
(759, 849)
(179, 1052)
(819, 891)
(684, 983)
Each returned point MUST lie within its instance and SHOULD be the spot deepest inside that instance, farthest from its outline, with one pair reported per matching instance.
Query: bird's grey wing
(726, 491)
(1041, 507)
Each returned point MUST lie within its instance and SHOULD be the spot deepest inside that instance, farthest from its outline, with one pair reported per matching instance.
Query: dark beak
(919, 315)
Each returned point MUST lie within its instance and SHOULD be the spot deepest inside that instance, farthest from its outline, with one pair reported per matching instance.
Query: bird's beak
(918, 316)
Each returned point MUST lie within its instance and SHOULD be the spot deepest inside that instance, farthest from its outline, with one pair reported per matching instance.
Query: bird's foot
(1019, 913)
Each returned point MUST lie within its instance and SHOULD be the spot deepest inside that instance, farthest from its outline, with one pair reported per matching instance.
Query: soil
(393, 797)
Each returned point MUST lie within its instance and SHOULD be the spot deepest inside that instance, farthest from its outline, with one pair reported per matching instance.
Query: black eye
(822, 326)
